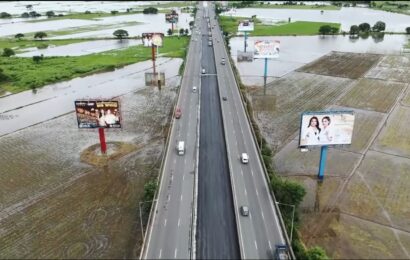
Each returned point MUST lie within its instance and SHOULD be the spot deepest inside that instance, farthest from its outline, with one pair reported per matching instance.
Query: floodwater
(347, 16)
(24, 109)
(19, 7)
(81, 48)
(296, 51)
(149, 23)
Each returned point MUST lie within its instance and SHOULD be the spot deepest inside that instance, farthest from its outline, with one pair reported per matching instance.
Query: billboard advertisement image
(171, 17)
(149, 39)
(245, 26)
(266, 49)
(97, 113)
(326, 128)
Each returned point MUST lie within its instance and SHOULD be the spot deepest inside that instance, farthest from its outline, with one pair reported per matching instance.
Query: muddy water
(27, 108)
(82, 48)
(54, 206)
(345, 16)
(296, 51)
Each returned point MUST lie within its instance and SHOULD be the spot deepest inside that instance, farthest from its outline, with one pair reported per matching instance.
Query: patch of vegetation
(85, 16)
(402, 7)
(294, 6)
(230, 25)
(17, 45)
(25, 73)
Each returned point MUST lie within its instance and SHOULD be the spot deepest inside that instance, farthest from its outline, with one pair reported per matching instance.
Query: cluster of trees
(243, 4)
(5, 15)
(408, 30)
(181, 32)
(32, 14)
(150, 10)
(365, 28)
(327, 29)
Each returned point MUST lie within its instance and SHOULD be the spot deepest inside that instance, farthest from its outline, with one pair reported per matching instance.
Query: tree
(316, 253)
(325, 29)
(50, 14)
(288, 192)
(120, 34)
(169, 32)
(191, 24)
(354, 29)
(5, 15)
(408, 30)
(87, 12)
(181, 31)
(114, 12)
(25, 15)
(34, 14)
(7, 52)
(379, 26)
(334, 30)
(19, 36)
(364, 27)
(40, 35)
(37, 59)
(29, 7)
(3, 77)
(150, 10)
(186, 31)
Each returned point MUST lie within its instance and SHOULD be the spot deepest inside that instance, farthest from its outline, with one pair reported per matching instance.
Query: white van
(181, 147)
(244, 158)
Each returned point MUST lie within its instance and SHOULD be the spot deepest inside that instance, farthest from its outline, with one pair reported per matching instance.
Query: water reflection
(82, 48)
(346, 16)
(296, 51)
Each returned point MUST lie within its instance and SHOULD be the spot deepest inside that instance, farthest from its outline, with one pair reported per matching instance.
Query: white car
(244, 158)
(194, 89)
(203, 71)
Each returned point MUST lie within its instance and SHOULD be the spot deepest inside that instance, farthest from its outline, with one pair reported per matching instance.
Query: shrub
(150, 10)
(408, 30)
(7, 52)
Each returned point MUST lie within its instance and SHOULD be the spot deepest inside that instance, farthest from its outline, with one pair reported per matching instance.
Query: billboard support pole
(322, 164)
(153, 60)
(245, 40)
(102, 140)
(265, 75)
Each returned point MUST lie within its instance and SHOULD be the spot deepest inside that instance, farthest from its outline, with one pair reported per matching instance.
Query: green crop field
(24, 73)
(17, 45)
(230, 25)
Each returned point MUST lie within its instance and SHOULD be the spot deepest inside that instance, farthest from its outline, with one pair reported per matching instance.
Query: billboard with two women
(326, 128)
(98, 113)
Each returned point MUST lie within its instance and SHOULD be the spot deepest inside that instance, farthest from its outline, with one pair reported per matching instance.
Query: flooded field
(292, 56)
(345, 16)
(82, 48)
(54, 205)
(361, 209)
(28, 108)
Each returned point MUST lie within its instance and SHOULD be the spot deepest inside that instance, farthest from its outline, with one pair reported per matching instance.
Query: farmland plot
(406, 99)
(394, 68)
(55, 206)
(295, 93)
(375, 95)
(341, 64)
(395, 137)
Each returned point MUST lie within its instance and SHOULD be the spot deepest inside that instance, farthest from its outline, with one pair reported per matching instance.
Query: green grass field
(17, 45)
(25, 74)
(402, 7)
(230, 25)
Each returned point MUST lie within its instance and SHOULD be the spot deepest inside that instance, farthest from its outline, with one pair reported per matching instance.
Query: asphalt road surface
(216, 231)
(260, 231)
(169, 236)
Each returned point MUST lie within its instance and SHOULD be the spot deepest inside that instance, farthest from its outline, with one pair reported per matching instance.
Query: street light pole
(293, 216)
(142, 227)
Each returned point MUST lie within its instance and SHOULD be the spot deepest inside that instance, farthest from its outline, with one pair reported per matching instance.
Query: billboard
(149, 39)
(244, 56)
(245, 26)
(97, 113)
(171, 17)
(266, 49)
(326, 128)
(151, 80)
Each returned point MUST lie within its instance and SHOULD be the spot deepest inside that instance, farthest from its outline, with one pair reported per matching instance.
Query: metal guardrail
(282, 224)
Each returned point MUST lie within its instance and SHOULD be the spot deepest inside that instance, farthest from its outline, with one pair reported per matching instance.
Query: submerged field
(360, 210)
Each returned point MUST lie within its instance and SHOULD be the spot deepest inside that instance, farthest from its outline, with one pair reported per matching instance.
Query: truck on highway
(181, 147)
(281, 252)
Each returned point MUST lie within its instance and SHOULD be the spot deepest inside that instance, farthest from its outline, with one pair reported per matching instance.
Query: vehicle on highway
(281, 252)
(223, 61)
(224, 98)
(244, 211)
(244, 158)
(203, 71)
(178, 113)
(181, 147)
(194, 89)
(209, 43)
